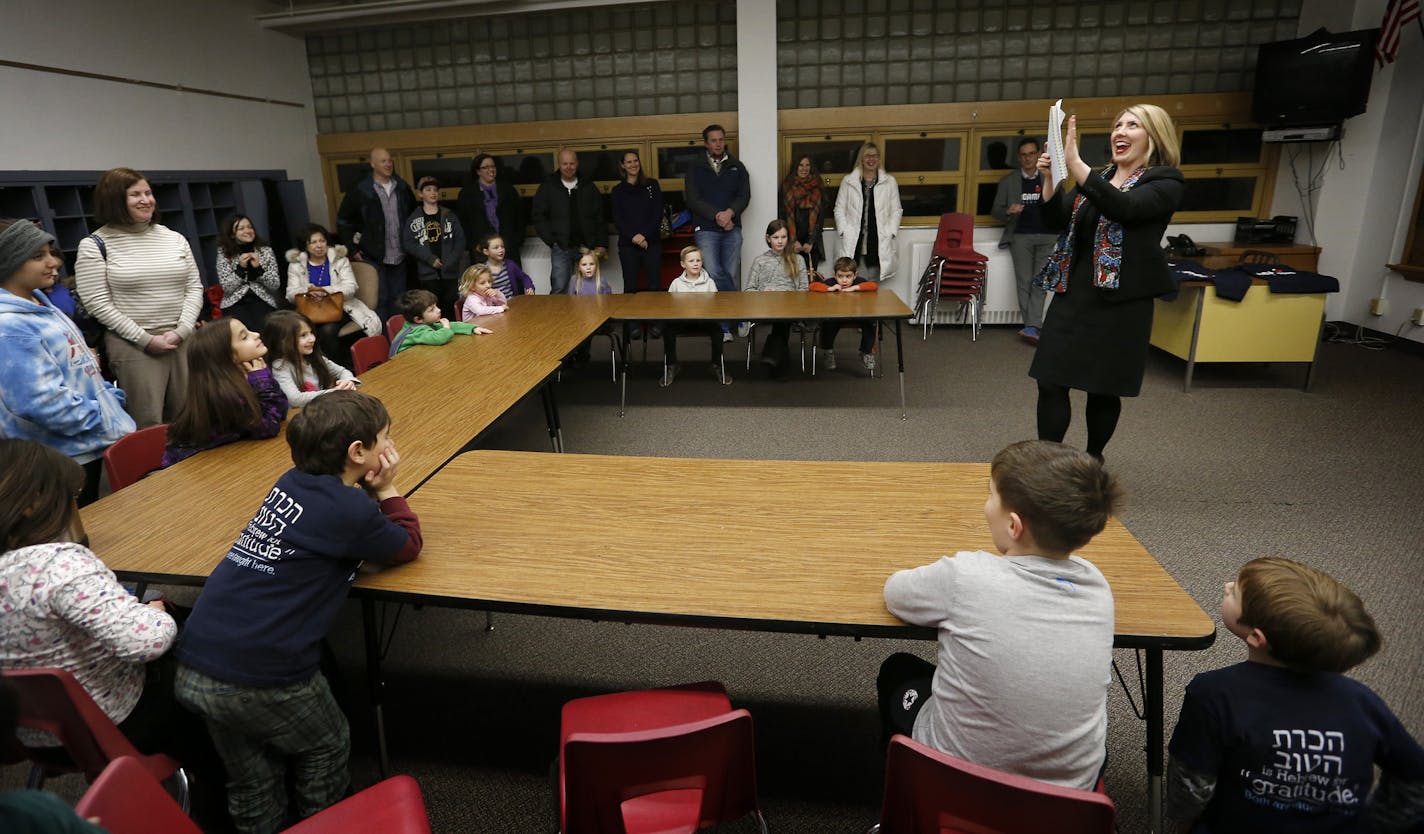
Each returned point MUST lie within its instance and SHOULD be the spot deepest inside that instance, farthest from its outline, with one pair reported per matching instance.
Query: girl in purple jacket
(231, 393)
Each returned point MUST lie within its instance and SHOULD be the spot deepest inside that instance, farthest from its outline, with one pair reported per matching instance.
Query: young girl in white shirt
(301, 369)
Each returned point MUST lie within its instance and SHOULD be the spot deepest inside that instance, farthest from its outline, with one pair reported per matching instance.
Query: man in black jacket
(568, 214)
(370, 219)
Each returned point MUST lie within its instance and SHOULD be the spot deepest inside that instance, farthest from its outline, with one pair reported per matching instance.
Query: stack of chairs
(955, 272)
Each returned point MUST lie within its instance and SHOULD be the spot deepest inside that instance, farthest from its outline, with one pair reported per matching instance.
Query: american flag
(1396, 16)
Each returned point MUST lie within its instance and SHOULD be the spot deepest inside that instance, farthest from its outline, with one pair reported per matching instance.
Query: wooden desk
(1262, 327)
(765, 306)
(176, 525)
(657, 559)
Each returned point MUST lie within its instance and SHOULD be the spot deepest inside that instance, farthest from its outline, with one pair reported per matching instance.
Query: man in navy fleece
(250, 653)
(718, 190)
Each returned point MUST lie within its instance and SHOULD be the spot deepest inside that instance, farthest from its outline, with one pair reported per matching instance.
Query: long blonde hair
(471, 275)
(860, 157)
(576, 280)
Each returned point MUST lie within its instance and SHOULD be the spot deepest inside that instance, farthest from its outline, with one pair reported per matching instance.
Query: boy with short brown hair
(1283, 741)
(1025, 639)
(425, 322)
(845, 279)
(250, 653)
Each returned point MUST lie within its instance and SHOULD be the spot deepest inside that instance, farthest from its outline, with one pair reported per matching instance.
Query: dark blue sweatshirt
(268, 604)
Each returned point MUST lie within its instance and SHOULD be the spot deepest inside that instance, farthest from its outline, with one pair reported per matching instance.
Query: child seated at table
(1284, 741)
(692, 279)
(250, 652)
(845, 279)
(231, 393)
(425, 324)
(1025, 639)
(478, 294)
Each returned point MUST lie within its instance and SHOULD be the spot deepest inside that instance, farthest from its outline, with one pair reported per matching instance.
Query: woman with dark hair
(802, 208)
(320, 269)
(51, 390)
(638, 215)
(1106, 270)
(490, 206)
(139, 279)
(247, 270)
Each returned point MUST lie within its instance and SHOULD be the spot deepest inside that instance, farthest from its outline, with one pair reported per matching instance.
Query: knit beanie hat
(18, 243)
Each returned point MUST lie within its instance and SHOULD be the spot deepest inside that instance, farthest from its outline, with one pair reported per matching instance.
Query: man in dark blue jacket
(718, 190)
(370, 219)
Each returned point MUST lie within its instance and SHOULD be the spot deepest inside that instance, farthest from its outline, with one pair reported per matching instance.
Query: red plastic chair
(929, 792)
(955, 271)
(53, 701)
(135, 455)
(954, 229)
(396, 322)
(657, 760)
(127, 800)
(369, 352)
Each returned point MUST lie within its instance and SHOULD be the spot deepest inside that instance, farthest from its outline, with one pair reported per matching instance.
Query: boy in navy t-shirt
(250, 652)
(1284, 741)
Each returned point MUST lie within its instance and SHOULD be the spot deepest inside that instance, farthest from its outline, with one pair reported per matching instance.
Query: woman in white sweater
(139, 279)
(319, 270)
(868, 236)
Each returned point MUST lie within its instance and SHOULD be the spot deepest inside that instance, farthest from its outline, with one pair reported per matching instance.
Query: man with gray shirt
(1016, 204)
(370, 219)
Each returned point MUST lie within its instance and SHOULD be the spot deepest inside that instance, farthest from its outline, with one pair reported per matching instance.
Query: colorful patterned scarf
(797, 193)
(1107, 247)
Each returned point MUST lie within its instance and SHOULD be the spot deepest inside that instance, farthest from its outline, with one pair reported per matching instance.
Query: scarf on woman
(802, 194)
(1107, 247)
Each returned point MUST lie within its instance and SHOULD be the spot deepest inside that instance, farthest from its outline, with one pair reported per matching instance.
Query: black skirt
(1088, 342)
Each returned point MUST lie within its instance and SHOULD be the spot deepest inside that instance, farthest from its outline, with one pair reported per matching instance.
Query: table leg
(900, 358)
(376, 683)
(1152, 704)
(1196, 331)
(551, 416)
(1310, 369)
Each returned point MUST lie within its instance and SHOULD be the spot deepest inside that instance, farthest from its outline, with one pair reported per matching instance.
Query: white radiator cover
(1001, 304)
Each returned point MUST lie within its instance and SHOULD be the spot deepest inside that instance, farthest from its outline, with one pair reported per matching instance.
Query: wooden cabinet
(191, 203)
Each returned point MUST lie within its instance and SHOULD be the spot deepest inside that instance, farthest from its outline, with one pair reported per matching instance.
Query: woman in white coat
(868, 236)
(315, 270)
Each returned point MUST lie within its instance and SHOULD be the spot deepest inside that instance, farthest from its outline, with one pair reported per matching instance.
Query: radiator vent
(950, 311)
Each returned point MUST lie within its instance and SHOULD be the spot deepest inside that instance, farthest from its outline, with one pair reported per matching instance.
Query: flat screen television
(1320, 79)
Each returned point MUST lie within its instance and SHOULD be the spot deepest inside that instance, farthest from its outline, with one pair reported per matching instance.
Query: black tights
(1055, 412)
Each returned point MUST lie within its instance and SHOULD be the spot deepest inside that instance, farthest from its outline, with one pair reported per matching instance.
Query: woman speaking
(1105, 271)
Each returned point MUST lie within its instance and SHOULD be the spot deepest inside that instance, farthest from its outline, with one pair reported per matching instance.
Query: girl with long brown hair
(231, 393)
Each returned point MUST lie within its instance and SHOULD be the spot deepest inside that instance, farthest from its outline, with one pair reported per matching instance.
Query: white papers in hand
(1055, 143)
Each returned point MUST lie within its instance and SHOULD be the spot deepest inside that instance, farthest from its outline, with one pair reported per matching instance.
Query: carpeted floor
(1244, 465)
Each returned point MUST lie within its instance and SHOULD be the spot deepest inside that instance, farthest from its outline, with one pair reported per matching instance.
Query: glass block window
(850, 53)
(640, 59)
